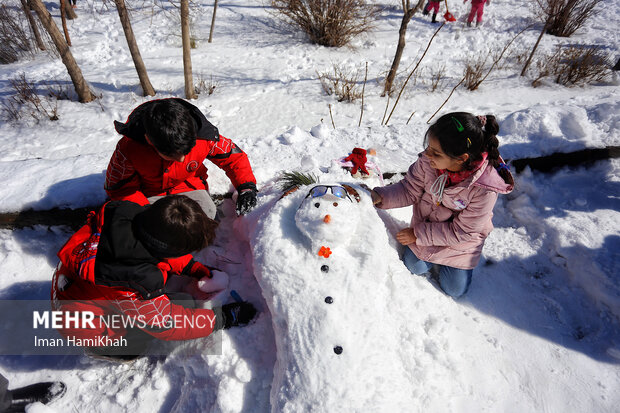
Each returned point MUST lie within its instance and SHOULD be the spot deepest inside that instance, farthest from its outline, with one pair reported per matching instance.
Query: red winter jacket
(136, 171)
(104, 269)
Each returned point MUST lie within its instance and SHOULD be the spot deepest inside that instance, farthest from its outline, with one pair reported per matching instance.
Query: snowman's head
(328, 215)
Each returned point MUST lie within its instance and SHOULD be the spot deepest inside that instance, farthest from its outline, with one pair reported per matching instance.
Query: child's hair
(173, 226)
(170, 127)
(462, 133)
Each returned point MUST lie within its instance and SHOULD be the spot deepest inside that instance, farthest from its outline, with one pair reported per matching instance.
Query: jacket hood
(122, 260)
(492, 180)
(134, 129)
(486, 177)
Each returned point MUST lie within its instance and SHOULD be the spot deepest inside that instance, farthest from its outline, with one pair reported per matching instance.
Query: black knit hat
(173, 226)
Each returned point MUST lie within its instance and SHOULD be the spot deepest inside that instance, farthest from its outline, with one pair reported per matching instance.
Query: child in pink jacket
(477, 9)
(453, 187)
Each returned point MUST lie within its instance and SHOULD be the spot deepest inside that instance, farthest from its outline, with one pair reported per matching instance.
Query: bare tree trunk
(81, 87)
(33, 25)
(212, 21)
(147, 87)
(529, 59)
(67, 10)
(402, 89)
(63, 4)
(190, 92)
(408, 13)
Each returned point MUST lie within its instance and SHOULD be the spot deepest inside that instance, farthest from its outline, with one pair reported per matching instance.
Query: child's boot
(425, 12)
(434, 18)
(468, 24)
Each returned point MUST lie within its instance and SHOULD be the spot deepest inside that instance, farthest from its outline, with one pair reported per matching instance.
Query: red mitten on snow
(358, 158)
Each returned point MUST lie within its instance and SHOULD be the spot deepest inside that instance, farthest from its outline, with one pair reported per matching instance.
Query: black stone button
(338, 350)
(329, 300)
(324, 268)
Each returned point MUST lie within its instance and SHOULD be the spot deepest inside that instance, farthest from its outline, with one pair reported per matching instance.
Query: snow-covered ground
(539, 329)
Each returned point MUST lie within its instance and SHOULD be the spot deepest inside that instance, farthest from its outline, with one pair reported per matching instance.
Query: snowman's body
(316, 261)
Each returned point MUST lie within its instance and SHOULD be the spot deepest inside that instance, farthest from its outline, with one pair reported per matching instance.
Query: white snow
(539, 329)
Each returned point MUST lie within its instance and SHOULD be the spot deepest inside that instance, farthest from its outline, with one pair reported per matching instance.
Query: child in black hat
(122, 262)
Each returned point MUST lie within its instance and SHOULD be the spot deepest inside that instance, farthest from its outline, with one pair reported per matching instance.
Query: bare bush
(26, 101)
(415, 79)
(438, 75)
(565, 17)
(574, 65)
(342, 83)
(207, 86)
(331, 23)
(14, 36)
(474, 71)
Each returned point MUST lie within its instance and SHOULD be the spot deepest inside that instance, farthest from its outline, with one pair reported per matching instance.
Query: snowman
(315, 258)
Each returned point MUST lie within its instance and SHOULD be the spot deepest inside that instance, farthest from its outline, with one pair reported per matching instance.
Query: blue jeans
(453, 281)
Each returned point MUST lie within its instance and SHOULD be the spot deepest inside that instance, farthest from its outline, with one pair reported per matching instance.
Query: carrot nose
(327, 219)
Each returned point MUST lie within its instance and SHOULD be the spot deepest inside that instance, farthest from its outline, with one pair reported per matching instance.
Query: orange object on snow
(449, 16)
(327, 219)
(325, 252)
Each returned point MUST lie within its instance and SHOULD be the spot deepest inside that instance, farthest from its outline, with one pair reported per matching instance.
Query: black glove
(246, 199)
(233, 315)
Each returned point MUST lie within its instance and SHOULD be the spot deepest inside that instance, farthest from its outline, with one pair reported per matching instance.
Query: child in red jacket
(120, 264)
(164, 145)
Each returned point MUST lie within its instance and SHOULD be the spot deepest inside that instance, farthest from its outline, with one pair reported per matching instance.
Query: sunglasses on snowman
(321, 190)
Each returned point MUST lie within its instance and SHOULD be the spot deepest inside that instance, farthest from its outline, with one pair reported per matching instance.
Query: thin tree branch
(445, 101)
(413, 71)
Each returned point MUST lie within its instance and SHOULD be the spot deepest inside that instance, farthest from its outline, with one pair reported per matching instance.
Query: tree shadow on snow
(83, 191)
(543, 298)
(567, 293)
(70, 201)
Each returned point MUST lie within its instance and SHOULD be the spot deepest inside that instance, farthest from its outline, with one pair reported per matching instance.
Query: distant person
(477, 10)
(434, 6)
(162, 152)
(124, 262)
(453, 187)
(16, 400)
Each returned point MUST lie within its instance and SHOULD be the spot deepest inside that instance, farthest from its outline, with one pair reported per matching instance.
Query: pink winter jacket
(452, 233)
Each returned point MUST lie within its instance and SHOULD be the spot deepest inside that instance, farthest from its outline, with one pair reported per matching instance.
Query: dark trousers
(5, 394)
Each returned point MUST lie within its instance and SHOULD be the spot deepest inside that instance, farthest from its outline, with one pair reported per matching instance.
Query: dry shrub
(15, 38)
(574, 65)
(331, 23)
(438, 75)
(27, 101)
(341, 82)
(565, 17)
(207, 86)
(474, 71)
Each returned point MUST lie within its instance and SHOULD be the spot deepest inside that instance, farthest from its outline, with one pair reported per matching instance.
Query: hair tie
(503, 166)
(482, 119)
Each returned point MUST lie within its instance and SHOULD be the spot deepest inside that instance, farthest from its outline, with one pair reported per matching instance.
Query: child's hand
(376, 198)
(406, 236)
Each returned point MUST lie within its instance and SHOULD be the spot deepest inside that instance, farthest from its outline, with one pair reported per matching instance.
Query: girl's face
(439, 160)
